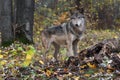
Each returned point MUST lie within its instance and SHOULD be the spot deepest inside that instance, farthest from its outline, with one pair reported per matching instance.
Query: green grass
(93, 36)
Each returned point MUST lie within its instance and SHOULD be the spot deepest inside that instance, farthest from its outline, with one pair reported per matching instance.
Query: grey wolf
(67, 34)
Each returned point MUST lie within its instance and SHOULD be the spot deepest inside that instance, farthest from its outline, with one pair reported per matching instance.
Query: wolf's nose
(76, 24)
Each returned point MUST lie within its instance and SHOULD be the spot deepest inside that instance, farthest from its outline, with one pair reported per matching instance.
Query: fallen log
(103, 54)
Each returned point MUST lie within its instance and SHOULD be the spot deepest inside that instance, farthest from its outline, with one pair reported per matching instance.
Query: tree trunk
(6, 21)
(0, 14)
(24, 20)
(16, 19)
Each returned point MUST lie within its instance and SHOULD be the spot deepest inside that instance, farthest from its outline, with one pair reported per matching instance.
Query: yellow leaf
(87, 75)
(48, 72)
(41, 62)
(6, 52)
(76, 77)
(83, 66)
(41, 29)
(26, 63)
(28, 60)
(1, 56)
(3, 62)
(38, 31)
(29, 57)
(91, 65)
(115, 36)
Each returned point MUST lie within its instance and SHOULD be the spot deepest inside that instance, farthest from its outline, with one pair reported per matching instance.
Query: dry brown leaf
(87, 75)
(91, 65)
(48, 73)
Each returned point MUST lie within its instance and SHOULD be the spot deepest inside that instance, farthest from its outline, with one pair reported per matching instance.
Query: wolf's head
(78, 20)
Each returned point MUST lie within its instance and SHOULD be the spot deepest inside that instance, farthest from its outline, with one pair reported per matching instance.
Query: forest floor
(25, 62)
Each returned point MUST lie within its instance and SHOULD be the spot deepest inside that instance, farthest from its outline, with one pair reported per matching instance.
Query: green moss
(22, 38)
(7, 43)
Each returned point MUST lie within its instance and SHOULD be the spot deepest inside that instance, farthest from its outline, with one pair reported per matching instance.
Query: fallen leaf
(41, 62)
(87, 75)
(116, 37)
(109, 71)
(109, 67)
(26, 63)
(29, 57)
(48, 72)
(1, 56)
(101, 70)
(76, 77)
(91, 65)
(65, 69)
(3, 62)
(83, 66)
(82, 71)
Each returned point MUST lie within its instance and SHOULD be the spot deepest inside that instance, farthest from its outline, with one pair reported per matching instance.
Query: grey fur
(67, 34)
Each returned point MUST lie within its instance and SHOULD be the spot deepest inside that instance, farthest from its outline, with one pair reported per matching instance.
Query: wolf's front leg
(75, 46)
(70, 50)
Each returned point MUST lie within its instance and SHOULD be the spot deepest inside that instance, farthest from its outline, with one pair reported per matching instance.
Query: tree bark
(0, 13)
(24, 20)
(16, 19)
(6, 22)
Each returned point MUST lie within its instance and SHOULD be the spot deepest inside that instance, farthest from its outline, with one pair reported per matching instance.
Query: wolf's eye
(81, 17)
(72, 18)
